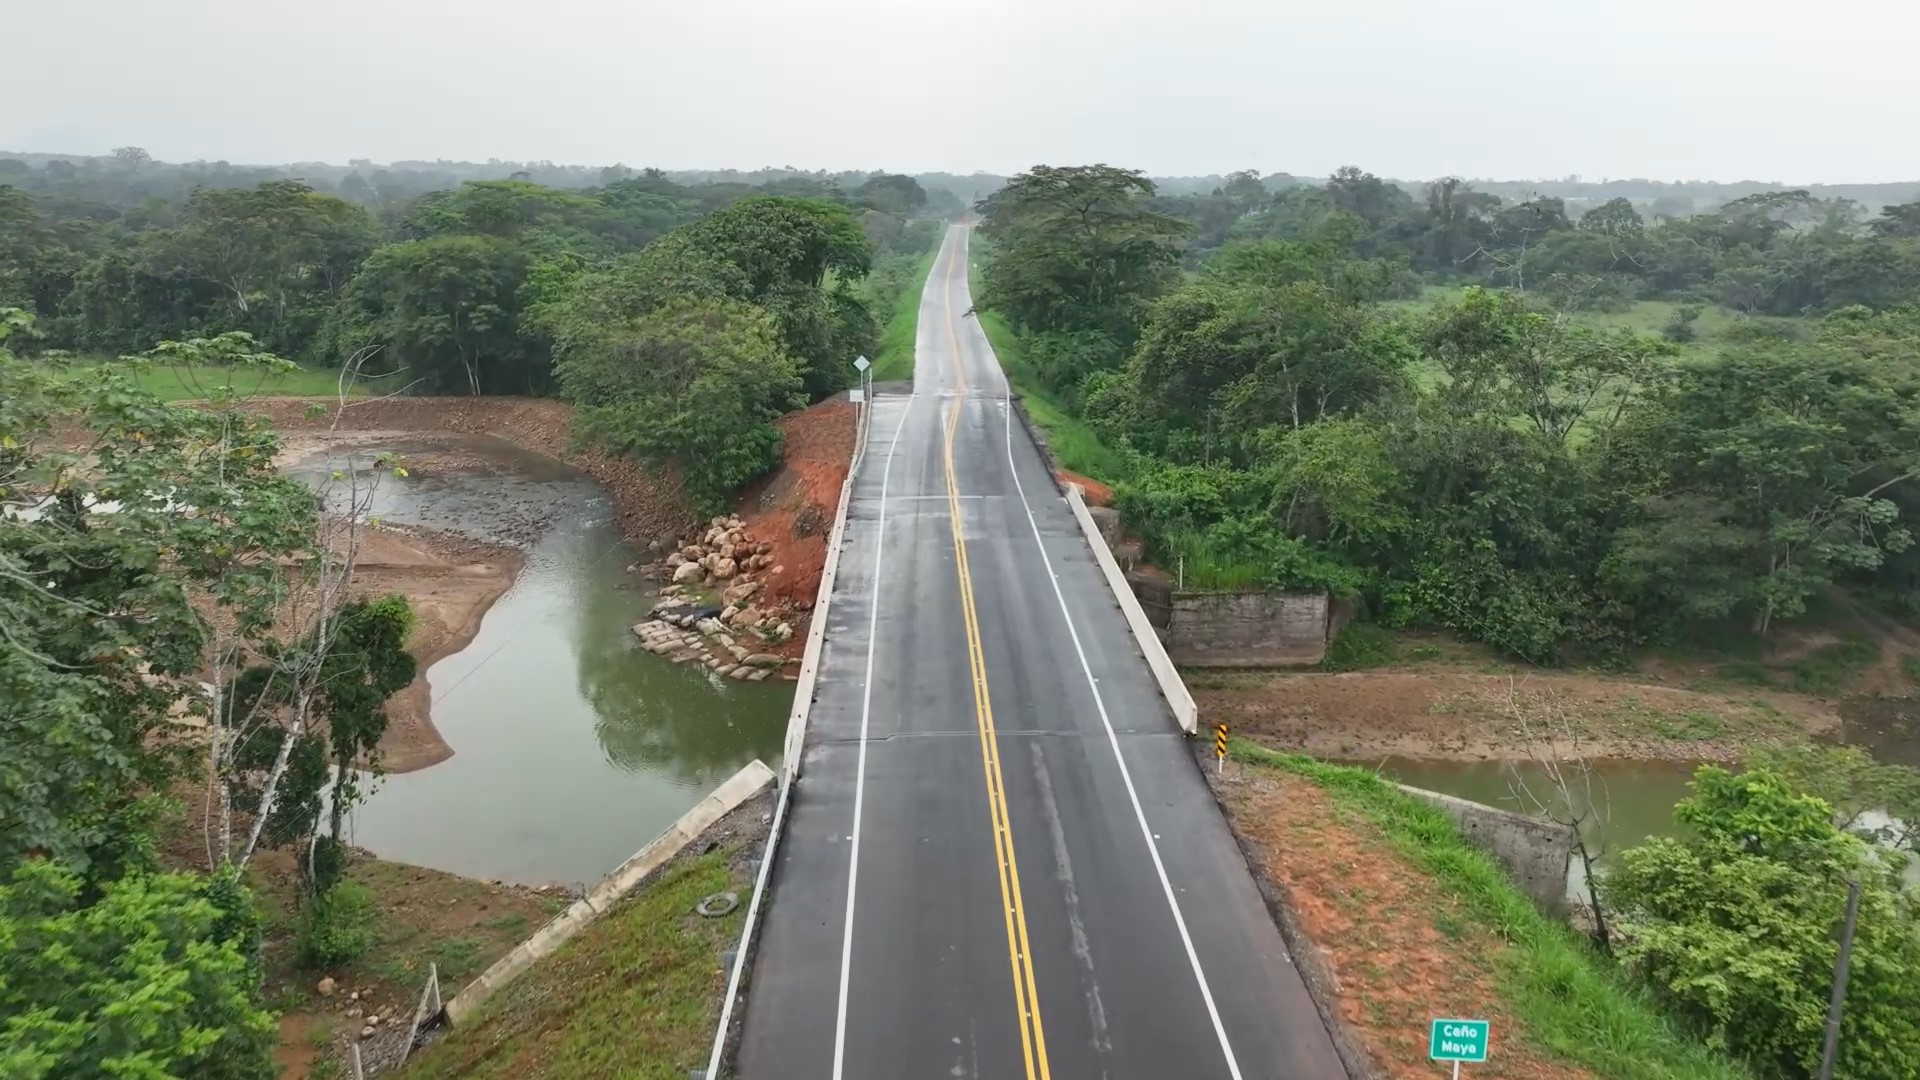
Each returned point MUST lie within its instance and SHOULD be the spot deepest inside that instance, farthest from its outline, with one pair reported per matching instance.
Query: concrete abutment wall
(1534, 852)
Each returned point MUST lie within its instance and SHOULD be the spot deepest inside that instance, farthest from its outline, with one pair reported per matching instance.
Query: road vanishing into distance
(1002, 860)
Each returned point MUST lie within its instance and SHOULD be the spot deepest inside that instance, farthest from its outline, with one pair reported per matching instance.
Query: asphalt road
(1001, 859)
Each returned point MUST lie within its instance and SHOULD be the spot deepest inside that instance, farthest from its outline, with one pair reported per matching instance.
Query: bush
(1359, 645)
(698, 384)
(151, 979)
(1064, 359)
(1680, 328)
(1734, 925)
(337, 926)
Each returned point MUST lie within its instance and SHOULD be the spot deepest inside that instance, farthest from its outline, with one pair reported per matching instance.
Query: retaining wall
(1234, 629)
(1534, 853)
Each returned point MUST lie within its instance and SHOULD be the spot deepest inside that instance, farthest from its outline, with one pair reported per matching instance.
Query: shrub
(337, 926)
(1360, 645)
(150, 980)
(1679, 328)
(1734, 925)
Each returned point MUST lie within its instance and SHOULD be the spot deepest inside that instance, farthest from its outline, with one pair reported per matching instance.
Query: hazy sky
(1672, 89)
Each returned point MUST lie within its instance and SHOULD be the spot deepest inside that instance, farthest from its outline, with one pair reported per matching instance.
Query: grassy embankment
(635, 995)
(894, 361)
(1433, 926)
(190, 384)
(1075, 446)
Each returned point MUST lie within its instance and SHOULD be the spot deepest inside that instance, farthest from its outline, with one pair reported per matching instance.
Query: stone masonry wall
(1246, 629)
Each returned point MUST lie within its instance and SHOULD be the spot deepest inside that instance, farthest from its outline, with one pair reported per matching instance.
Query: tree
(149, 980)
(696, 383)
(446, 311)
(1244, 191)
(366, 664)
(1458, 222)
(1734, 925)
(890, 193)
(100, 641)
(279, 255)
(1615, 218)
(1076, 248)
(1505, 356)
(1877, 802)
(1366, 196)
(1802, 447)
(773, 252)
(1894, 222)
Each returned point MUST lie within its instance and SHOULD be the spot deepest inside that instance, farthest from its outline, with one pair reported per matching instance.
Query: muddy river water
(572, 747)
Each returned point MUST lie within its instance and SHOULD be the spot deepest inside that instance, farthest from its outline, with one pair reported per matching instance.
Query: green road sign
(1458, 1040)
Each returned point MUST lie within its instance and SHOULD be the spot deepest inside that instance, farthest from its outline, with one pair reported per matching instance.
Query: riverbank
(452, 575)
(451, 582)
(1392, 915)
(416, 918)
(1480, 716)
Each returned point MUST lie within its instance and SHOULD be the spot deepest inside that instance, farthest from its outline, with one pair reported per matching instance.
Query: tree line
(499, 287)
(1778, 252)
(1489, 466)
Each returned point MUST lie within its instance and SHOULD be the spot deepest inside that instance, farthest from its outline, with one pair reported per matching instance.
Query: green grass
(1360, 645)
(1910, 666)
(1826, 669)
(1643, 316)
(895, 358)
(1689, 727)
(633, 996)
(189, 384)
(1074, 444)
(1574, 1003)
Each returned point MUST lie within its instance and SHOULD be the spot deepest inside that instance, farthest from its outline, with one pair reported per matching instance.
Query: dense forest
(456, 281)
(1488, 464)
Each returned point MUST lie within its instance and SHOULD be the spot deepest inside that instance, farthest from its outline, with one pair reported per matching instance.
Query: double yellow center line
(1033, 1042)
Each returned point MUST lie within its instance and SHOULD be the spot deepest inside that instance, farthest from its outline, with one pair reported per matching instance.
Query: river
(572, 747)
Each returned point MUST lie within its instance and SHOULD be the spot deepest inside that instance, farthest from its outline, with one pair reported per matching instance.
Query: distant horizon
(348, 163)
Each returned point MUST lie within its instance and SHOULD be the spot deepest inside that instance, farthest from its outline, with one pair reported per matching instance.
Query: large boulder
(723, 568)
(747, 616)
(688, 573)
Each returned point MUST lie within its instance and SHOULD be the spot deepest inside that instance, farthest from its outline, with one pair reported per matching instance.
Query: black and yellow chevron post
(1220, 746)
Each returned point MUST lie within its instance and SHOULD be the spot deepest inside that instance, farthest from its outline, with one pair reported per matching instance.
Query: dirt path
(1450, 715)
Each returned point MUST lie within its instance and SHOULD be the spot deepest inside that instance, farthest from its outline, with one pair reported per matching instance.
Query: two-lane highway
(1001, 860)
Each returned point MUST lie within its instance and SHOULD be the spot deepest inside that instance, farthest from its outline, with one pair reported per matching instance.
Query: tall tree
(1077, 248)
(697, 384)
(279, 254)
(446, 313)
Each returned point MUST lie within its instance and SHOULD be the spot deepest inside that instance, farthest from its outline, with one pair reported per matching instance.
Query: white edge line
(1113, 740)
(790, 768)
(860, 772)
